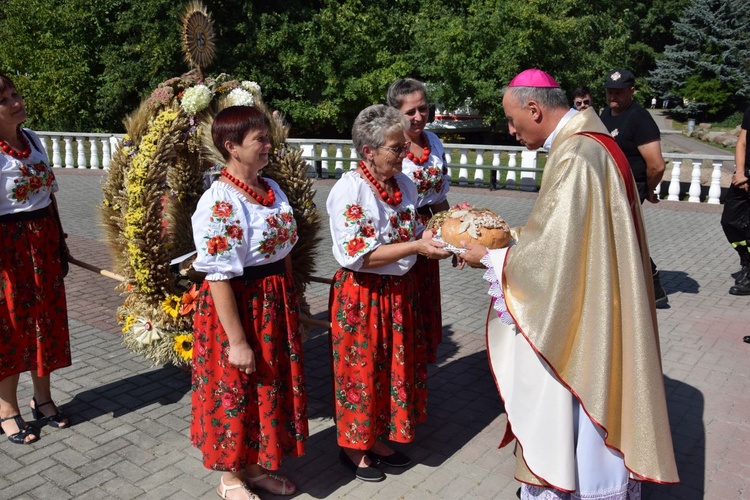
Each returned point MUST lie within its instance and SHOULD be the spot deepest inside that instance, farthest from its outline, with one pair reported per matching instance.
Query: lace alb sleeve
(496, 291)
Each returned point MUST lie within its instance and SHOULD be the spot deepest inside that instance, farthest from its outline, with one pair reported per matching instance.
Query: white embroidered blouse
(360, 222)
(26, 185)
(230, 233)
(432, 182)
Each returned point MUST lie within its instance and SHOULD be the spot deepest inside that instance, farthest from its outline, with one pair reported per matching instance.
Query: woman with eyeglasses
(378, 345)
(425, 165)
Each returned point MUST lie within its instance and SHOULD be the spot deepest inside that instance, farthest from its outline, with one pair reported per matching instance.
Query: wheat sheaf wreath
(156, 178)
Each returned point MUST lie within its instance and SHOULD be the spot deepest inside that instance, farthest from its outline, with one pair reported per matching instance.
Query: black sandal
(20, 436)
(53, 420)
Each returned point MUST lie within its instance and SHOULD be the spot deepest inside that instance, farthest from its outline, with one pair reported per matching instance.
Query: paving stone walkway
(130, 432)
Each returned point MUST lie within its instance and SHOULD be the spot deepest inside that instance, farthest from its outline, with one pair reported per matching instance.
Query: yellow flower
(171, 305)
(183, 345)
(129, 323)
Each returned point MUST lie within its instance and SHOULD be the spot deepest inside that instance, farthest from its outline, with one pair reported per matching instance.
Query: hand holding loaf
(471, 225)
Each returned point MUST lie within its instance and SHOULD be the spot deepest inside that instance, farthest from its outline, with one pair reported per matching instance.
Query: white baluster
(308, 153)
(81, 152)
(714, 191)
(463, 172)
(114, 144)
(510, 178)
(528, 177)
(674, 182)
(339, 168)
(495, 163)
(353, 158)
(94, 143)
(695, 183)
(448, 169)
(56, 152)
(69, 152)
(479, 172)
(106, 154)
(324, 163)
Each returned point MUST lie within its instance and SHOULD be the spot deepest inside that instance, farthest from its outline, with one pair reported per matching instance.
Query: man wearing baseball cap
(638, 136)
(572, 338)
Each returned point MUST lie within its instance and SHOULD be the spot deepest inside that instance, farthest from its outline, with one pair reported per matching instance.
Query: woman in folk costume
(425, 165)
(573, 343)
(249, 401)
(33, 313)
(378, 346)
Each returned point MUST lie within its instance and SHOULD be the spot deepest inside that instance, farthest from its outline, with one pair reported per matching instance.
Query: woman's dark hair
(6, 83)
(402, 88)
(233, 123)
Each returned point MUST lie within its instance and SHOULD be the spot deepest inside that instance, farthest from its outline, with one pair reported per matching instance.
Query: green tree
(707, 66)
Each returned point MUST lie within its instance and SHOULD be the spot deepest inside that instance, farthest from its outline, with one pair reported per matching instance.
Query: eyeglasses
(400, 150)
(586, 102)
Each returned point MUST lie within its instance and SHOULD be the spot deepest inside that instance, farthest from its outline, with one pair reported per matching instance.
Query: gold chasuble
(578, 286)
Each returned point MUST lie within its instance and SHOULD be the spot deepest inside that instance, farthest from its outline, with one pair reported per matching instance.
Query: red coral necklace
(20, 155)
(425, 153)
(270, 196)
(396, 200)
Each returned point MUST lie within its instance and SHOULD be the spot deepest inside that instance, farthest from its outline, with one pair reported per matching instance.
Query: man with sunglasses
(638, 136)
(582, 98)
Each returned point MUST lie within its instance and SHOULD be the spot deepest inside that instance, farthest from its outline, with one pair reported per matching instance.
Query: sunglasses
(586, 102)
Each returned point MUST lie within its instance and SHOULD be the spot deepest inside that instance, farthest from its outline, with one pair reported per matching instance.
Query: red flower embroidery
(403, 234)
(355, 245)
(402, 394)
(353, 396)
(282, 234)
(35, 183)
(405, 216)
(217, 244)
(287, 217)
(223, 209)
(352, 317)
(367, 231)
(394, 221)
(272, 222)
(21, 192)
(228, 400)
(268, 246)
(353, 212)
(234, 232)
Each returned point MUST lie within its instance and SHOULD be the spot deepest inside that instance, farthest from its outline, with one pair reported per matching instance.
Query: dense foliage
(706, 70)
(84, 65)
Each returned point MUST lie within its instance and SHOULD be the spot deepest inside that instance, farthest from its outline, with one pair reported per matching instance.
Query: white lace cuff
(496, 291)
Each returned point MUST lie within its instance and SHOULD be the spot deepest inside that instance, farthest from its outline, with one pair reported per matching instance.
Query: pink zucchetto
(533, 78)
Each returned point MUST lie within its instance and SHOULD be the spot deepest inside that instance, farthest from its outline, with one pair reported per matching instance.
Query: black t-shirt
(632, 128)
(746, 127)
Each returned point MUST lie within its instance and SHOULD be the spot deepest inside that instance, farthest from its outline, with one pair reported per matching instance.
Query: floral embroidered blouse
(26, 185)
(360, 222)
(230, 233)
(432, 182)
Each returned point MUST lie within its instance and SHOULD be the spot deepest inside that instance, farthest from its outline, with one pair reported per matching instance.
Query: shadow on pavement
(685, 405)
(678, 281)
(166, 385)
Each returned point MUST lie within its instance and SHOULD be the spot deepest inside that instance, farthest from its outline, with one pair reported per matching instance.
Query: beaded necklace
(270, 196)
(19, 155)
(425, 153)
(396, 200)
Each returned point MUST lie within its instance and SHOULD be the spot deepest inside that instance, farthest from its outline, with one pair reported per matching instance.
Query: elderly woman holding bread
(378, 345)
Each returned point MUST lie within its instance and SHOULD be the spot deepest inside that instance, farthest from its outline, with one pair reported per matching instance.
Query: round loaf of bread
(473, 225)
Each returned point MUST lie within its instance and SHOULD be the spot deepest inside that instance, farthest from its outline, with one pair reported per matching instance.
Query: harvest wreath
(155, 180)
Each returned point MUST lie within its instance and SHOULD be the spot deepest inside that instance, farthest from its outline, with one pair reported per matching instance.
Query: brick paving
(130, 434)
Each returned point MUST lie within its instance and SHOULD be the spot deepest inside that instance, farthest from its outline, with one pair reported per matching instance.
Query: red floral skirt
(379, 365)
(427, 274)
(33, 311)
(240, 419)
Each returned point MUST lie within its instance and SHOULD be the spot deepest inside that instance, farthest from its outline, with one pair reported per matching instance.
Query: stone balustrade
(690, 177)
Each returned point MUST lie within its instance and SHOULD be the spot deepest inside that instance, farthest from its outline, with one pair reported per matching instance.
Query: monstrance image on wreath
(156, 178)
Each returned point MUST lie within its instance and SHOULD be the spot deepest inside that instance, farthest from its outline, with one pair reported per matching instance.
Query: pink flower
(228, 400)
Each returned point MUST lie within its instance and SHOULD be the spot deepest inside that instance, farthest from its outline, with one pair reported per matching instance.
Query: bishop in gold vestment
(573, 338)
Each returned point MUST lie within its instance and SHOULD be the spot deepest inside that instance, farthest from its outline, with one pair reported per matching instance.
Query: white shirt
(432, 184)
(360, 222)
(26, 185)
(230, 233)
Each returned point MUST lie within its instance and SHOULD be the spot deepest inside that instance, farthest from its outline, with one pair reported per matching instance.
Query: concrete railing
(688, 176)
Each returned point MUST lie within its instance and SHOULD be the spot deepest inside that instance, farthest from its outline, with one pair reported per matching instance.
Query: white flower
(240, 97)
(146, 332)
(251, 86)
(195, 99)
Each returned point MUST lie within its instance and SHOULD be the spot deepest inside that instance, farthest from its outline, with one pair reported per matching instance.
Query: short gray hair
(402, 88)
(547, 97)
(374, 123)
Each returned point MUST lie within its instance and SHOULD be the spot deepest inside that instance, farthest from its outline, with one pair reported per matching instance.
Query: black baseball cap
(619, 79)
